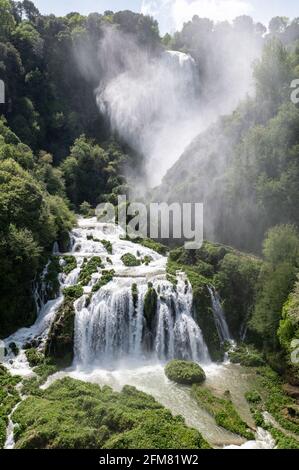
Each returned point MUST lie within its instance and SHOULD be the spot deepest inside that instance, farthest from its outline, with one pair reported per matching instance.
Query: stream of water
(117, 344)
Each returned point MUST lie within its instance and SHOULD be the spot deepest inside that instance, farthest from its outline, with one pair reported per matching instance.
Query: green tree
(7, 22)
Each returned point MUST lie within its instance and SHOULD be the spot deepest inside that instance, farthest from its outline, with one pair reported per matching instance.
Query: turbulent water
(113, 325)
(114, 343)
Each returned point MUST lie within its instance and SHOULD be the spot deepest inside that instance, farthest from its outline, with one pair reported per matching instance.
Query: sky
(171, 14)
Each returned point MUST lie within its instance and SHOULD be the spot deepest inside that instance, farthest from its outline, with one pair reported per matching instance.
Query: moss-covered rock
(108, 246)
(60, 342)
(223, 411)
(34, 357)
(74, 415)
(130, 260)
(151, 244)
(106, 277)
(73, 292)
(51, 279)
(184, 372)
(89, 268)
(150, 306)
(134, 291)
(246, 356)
(70, 263)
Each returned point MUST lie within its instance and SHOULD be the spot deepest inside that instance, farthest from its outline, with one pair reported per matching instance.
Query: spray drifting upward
(151, 100)
(158, 101)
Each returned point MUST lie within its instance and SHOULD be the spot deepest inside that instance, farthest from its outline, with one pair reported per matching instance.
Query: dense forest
(60, 156)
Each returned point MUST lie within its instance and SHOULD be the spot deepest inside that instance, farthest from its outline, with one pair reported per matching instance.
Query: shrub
(70, 264)
(130, 260)
(34, 357)
(90, 267)
(107, 277)
(73, 292)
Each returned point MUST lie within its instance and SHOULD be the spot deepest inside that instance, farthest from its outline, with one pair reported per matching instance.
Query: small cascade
(111, 328)
(219, 317)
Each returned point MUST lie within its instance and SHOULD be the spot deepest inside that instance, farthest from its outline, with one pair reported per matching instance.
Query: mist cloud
(172, 14)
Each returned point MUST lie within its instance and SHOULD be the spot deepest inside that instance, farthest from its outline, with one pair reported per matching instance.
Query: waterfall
(112, 328)
(149, 99)
(219, 317)
(112, 325)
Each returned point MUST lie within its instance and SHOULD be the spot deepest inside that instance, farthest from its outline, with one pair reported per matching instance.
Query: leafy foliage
(71, 414)
(223, 411)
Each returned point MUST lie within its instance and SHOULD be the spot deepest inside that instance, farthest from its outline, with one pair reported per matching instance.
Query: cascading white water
(112, 326)
(219, 317)
(109, 324)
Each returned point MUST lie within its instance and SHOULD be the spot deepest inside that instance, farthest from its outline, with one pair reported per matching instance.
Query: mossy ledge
(60, 342)
(184, 372)
(246, 356)
(106, 277)
(130, 260)
(223, 410)
(75, 415)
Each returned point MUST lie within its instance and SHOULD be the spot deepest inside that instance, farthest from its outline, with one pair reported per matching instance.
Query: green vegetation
(70, 263)
(130, 260)
(234, 276)
(89, 267)
(184, 372)
(246, 356)
(108, 245)
(106, 277)
(34, 357)
(60, 342)
(31, 219)
(51, 279)
(151, 244)
(288, 334)
(271, 397)
(49, 153)
(150, 306)
(73, 292)
(277, 279)
(135, 295)
(223, 411)
(236, 283)
(9, 397)
(72, 414)
(86, 210)
(146, 260)
(253, 397)
(282, 407)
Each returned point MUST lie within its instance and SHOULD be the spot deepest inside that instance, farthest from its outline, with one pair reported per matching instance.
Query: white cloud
(172, 14)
